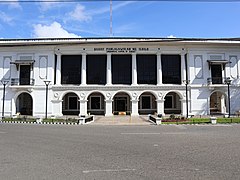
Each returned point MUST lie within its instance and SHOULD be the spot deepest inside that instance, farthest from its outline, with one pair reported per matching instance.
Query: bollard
(213, 120)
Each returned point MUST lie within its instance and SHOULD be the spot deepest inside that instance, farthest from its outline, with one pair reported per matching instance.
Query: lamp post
(228, 82)
(4, 83)
(186, 82)
(46, 83)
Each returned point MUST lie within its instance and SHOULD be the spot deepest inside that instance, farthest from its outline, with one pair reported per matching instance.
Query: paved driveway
(30, 151)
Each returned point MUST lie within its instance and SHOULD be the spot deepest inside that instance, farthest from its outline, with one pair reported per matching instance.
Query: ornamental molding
(117, 88)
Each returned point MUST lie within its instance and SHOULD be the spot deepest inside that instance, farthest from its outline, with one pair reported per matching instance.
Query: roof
(60, 41)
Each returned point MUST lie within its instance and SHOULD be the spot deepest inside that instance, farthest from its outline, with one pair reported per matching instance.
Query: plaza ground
(30, 151)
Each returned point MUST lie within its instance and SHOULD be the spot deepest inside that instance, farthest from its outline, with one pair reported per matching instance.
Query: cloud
(54, 30)
(13, 5)
(46, 5)
(79, 14)
(171, 36)
(106, 9)
(5, 18)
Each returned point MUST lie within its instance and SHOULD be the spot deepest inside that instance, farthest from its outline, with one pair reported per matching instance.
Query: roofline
(60, 41)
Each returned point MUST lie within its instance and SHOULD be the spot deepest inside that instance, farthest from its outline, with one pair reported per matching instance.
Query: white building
(109, 76)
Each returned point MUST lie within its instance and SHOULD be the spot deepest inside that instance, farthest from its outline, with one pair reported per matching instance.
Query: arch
(121, 103)
(122, 91)
(67, 92)
(91, 92)
(172, 103)
(218, 101)
(149, 91)
(172, 91)
(147, 103)
(24, 104)
(70, 104)
(96, 103)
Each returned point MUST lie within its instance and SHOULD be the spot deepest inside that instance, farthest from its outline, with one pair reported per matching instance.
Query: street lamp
(46, 83)
(186, 82)
(4, 83)
(228, 82)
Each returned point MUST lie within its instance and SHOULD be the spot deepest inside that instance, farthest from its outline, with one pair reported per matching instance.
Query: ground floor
(109, 101)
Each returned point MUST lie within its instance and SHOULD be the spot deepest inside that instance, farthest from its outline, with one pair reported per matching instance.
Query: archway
(147, 104)
(217, 103)
(172, 103)
(121, 104)
(70, 104)
(24, 104)
(96, 104)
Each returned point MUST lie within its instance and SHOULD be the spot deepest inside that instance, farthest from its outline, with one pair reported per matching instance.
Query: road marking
(108, 170)
(174, 133)
(155, 145)
(141, 133)
(2, 132)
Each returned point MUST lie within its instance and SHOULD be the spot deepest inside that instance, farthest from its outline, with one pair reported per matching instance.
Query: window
(72, 102)
(168, 103)
(146, 102)
(71, 69)
(96, 69)
(25, 71)
(216, 71)
(121, 69)
(95, 102)
(171, 69)
(147, 69)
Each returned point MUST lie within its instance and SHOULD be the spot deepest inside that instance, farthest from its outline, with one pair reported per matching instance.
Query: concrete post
(109, 69)
(134, 107)
(84, 69)
(134, 69)
(108, 110)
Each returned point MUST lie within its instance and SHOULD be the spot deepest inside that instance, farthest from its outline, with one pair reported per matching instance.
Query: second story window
(216, 73)
(96, 69)
(147, 69)
(171, 69)
(121, 69)
(71, 69)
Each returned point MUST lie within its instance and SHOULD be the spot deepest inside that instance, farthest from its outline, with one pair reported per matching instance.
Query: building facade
(111, 76)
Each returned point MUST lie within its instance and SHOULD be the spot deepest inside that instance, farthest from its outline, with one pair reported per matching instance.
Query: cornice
(118, 87)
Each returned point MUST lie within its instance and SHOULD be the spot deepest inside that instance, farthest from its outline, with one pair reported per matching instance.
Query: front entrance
(121, 104)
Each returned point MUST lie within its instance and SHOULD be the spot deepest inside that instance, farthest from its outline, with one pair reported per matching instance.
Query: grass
(22, 119)
(202, 120)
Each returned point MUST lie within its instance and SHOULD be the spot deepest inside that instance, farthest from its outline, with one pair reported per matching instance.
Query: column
(134, 108)
(83, 107)
(58, 70)
(109, 69)
(184, 107)
(13, 107)
(108, 108)
(183, 67)
(134, 69)
(57, 107)
(84, 69)
(160, 106)
(159, 69)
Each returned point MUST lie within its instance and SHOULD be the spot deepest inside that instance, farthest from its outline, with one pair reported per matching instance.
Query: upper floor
(134, 62)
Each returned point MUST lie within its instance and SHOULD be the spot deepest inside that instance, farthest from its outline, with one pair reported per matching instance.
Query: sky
(180, 19)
